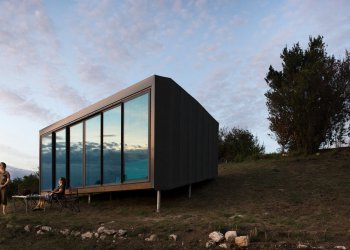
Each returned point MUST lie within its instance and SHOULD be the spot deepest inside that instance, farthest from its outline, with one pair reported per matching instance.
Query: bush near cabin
(19, 185)
(238, 144)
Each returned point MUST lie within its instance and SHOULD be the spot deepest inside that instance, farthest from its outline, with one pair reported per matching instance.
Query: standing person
(4, 182)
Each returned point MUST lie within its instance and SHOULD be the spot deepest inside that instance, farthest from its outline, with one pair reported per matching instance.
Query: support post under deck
(158, 201)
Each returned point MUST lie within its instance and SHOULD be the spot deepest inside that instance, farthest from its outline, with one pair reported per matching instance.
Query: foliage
(238, 144)
(308, 100)
(28, 182)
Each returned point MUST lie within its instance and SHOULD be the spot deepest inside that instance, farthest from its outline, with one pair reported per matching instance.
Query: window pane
(76, 155)
(136, 138)
(93, 150)
(60, 154)
(46, 162)
(112, 145)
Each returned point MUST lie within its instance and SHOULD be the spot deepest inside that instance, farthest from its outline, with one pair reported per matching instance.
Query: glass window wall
(46, 162)
(136, 138)
(60, 154)
(112, 146)
(136, 148)
(76, 155)
(93, 151)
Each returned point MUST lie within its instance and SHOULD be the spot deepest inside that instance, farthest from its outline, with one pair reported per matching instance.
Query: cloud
(268, 21)
(27, 37)
(30, 48)
(54, 85)
(330, 19)
(13, 152)
(14, 103)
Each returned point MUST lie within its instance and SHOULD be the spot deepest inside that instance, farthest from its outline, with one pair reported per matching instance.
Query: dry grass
(277, 202)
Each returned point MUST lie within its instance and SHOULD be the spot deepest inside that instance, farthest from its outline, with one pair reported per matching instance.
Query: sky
(57, 57)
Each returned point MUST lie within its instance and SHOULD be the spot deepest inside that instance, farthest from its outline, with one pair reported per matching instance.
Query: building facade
(151, 135)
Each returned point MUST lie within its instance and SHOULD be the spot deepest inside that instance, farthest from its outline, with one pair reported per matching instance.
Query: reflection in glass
(60, 154)
(76, 155)
(46, 162)
(112, 145)
(136, 138)
(93, 150)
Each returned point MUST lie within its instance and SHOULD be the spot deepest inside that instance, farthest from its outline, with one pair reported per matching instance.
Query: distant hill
(18, 172)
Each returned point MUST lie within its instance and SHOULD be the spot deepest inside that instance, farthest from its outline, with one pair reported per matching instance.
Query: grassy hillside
(280, 203)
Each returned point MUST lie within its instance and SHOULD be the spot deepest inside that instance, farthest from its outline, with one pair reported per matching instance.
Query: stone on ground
(242, 241)
(223, 245)
(122, 232)
(65, 231)
(27, 228)
(173, 237)
(46, 228)
(230, 236)
(216, 236)
(153, 237)
(87, 235)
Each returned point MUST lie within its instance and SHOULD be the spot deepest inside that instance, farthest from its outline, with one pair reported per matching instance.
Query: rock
(302, 246)
(109, 231)
(9, 226)
(46, 229)
(216, 236)
(242, 241)
(103, 237)
(122, 232)
(27, 228)
(173, 237)
(101, 230)
(87, 235)
(40, 232)
(223, 245)
(64, 232)
(340, 247)
(153, 237)
(75, 233)
(96, 235)
(230, 236)
(210, 243)
(236, 216)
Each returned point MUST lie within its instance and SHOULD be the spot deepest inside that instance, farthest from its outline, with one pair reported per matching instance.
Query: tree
(238, 144)
(307, 99)
(28, 182)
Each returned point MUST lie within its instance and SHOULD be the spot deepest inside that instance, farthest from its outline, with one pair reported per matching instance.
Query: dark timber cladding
(186, 149)
(181, 147)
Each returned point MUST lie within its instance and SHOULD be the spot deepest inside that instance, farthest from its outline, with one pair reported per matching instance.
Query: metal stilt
(158, 201)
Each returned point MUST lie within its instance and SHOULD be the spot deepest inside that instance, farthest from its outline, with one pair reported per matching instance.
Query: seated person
(54, 194)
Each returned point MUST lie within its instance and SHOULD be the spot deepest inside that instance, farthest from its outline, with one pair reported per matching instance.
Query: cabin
(151, 135)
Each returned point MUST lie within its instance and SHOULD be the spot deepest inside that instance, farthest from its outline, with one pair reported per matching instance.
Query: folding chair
(58, 201)
(72, 199)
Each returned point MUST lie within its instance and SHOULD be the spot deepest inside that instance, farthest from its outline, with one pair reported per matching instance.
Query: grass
(278, 202)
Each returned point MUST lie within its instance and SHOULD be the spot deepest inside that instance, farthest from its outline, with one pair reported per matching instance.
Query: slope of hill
(279, 203)
(18, 172)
